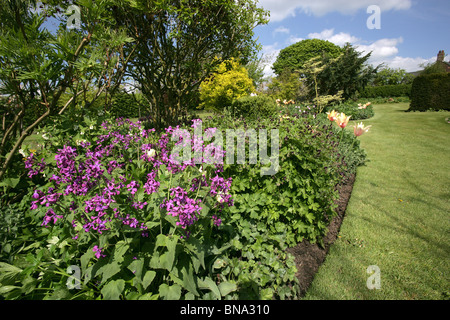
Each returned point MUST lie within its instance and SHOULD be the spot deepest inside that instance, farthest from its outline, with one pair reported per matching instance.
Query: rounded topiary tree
(294, 57)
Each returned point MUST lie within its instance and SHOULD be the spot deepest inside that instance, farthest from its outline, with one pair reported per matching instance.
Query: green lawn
(398, 214)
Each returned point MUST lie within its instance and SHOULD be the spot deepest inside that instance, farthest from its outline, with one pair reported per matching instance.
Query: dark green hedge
(431, 91)
(389, 91)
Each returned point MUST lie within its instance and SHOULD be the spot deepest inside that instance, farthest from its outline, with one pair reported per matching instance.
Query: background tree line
(164, 49)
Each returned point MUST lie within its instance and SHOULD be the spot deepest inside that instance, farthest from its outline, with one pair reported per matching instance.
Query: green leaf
(207, 283)
(189, 280)
(10, 182)
(85, 258)
(149, 296)
(109, 270)
(226, 287)
(148, 278)
(167, 258)
(6, 289)
(119, 251)
(112, 290)
(8, 272)
(170, 292)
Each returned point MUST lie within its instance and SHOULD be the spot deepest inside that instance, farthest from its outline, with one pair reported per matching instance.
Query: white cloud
(339, 39)
(270, 54)
(407, 63)
(281, 9)
(293, 39)
(383, 50)
(281, 30)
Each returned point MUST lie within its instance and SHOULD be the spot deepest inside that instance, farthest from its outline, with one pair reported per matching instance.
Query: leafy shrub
(124, 105)
(357, 111)
(229, 83)
(111, 200)
(296, 203)
(388, 91)
(431, 91)
(252, 107)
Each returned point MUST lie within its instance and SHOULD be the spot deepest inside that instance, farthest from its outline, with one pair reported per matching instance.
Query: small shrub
(221, 89)
(357, 111)
(124, 105)
(252, 107)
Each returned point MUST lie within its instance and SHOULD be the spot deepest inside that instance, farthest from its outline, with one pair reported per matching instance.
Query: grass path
(398, 217)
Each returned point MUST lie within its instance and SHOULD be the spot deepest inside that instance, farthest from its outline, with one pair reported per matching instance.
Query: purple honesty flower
(181, 206)
(132, 187)
(98, 252)
(151, 185)
(50, 216)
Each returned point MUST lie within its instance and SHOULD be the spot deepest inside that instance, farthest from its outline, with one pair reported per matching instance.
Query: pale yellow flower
(342, 120)
(332, 115)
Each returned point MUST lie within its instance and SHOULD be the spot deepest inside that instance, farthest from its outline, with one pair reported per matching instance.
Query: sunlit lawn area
(398, 214)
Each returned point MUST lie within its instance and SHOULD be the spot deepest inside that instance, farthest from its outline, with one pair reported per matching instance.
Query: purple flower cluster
(33, 167)
(90, 178)
(187, 210)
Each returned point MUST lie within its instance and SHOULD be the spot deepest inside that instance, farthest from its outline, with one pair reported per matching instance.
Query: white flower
(44, 136)
(22, 153)
(78, 142)
(151, 153)
(91, 127)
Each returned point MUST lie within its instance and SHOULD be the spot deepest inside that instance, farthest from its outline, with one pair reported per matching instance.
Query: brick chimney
(440, 56)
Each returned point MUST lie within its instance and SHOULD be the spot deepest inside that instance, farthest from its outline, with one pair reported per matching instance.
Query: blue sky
(411, 31)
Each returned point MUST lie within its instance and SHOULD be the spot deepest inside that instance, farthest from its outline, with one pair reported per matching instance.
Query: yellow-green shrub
(229, 83)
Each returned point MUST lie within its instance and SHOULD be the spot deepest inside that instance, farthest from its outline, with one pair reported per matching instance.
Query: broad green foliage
(297, 202)
(390, 76)
(227, 84)
(287, 86)
(176, 45)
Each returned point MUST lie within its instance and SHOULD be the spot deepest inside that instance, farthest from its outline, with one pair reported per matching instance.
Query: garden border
(310, 256)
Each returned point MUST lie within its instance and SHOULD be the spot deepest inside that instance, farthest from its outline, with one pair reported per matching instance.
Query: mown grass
(398, 214)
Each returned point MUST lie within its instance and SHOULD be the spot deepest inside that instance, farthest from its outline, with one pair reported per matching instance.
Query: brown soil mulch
(310, 256)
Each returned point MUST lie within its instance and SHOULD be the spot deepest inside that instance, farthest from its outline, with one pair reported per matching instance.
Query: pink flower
(360, 129)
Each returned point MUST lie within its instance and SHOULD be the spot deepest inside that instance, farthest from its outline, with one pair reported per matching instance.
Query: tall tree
(181, 42)
(349, 73)
(37, 67)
